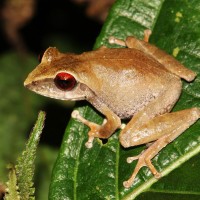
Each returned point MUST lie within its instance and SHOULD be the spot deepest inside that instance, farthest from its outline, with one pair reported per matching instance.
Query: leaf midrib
(173, 192)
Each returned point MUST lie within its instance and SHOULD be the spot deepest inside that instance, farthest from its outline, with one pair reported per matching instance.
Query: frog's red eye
(65, 81)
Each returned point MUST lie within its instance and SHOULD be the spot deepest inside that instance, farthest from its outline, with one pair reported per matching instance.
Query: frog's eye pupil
(65, 81)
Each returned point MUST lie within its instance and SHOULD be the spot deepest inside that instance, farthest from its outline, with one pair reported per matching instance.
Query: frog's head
(55, 77)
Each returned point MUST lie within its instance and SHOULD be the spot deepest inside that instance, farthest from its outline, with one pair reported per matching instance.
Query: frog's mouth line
(46, 87)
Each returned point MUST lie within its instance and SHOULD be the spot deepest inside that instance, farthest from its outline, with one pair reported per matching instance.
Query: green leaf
(25, 167)
(98, 173)
(12, 188)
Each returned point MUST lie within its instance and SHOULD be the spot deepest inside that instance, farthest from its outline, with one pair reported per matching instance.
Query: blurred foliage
(20, 184)
(12, 188)
(18, 107)
(25, 167)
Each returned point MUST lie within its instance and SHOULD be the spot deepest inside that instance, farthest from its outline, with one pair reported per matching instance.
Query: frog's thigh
(169, 126)
(167, 61)
(165, 128)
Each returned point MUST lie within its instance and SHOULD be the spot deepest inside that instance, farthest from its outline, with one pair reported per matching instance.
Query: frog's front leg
(162, 129)
(109, 125)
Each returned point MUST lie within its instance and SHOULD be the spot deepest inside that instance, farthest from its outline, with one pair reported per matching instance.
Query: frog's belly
(127, 103)
(127, 107)
(130, 91)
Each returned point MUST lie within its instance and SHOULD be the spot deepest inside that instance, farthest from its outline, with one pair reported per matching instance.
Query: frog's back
(128, 79)
(128, 64)
(117, 58)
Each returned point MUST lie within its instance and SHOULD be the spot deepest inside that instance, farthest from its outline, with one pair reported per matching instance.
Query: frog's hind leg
(167, 61)
(155, 123)
(166, 128)
(131, 42)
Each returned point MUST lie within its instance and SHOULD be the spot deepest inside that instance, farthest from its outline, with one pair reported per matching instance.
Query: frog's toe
(89, 143)
(75, 114)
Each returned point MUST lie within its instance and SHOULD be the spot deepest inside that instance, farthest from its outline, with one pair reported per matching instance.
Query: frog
(138, 82)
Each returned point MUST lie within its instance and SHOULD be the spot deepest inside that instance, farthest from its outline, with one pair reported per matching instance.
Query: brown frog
(140, 82)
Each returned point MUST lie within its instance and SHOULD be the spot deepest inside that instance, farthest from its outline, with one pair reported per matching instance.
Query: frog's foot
(144, 159)
(114, 40)
(122, 126)
(94, 128)
(169, 131)
(147, 34)
(131, 159)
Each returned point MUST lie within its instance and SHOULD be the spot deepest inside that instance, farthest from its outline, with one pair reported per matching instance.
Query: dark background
(63, 20)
